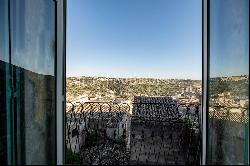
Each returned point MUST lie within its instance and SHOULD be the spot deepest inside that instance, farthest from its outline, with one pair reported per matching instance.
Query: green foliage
(237, 88)
(119, 86)
(218, 86)
(72, 158)
(121, 141)
(92, 137)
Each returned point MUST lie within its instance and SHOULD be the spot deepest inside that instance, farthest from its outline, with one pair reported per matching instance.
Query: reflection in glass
(27, 82)
(228, 122)
(33, 58)
(4, 84)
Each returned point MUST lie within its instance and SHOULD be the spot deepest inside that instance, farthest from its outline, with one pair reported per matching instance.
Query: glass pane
(228, 121)
(33, 71)
(4, 79)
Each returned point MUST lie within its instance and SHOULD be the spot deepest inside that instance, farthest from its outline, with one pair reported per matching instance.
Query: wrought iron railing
(240, 114)
(101, 113)
(228, 129)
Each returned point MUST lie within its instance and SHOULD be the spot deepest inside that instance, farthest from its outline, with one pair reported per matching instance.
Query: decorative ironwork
(162, 132)
(241, 115)
(228, 128)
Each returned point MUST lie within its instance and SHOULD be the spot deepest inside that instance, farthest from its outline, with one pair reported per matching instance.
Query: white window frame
(204, 79)
(60, 80)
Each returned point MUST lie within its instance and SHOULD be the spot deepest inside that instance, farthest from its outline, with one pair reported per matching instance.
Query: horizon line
(67, 76)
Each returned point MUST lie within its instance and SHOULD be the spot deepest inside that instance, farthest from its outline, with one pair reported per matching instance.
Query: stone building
(160, 134)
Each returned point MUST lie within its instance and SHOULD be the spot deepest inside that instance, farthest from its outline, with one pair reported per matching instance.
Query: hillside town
(137, 118)
(82, 89)
(123, 90)
(154, 130)
(227, 93)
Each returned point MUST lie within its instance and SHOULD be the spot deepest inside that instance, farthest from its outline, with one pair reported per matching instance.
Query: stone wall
(160, 143)
(163, 132)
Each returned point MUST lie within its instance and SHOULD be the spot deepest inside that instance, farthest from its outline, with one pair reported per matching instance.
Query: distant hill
(127, 87)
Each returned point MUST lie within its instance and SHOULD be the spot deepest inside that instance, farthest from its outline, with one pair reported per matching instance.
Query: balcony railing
(228, 133)
(154, 132)
(229, 113)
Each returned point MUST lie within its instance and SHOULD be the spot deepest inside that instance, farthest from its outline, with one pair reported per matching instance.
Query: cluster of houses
(149, 140)
(111, 124)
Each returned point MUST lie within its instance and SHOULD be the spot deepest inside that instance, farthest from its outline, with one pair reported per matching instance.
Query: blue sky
(134, 38)
(229, 37)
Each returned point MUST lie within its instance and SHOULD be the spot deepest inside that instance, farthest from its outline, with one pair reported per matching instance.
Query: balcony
(150, 130)
(228, 126)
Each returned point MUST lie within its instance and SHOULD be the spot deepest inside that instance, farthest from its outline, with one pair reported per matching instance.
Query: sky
(32, 33)
(229, 40)
(134, 38)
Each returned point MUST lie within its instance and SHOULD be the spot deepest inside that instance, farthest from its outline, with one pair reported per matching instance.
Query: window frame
(205, 75)
(60, 68)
